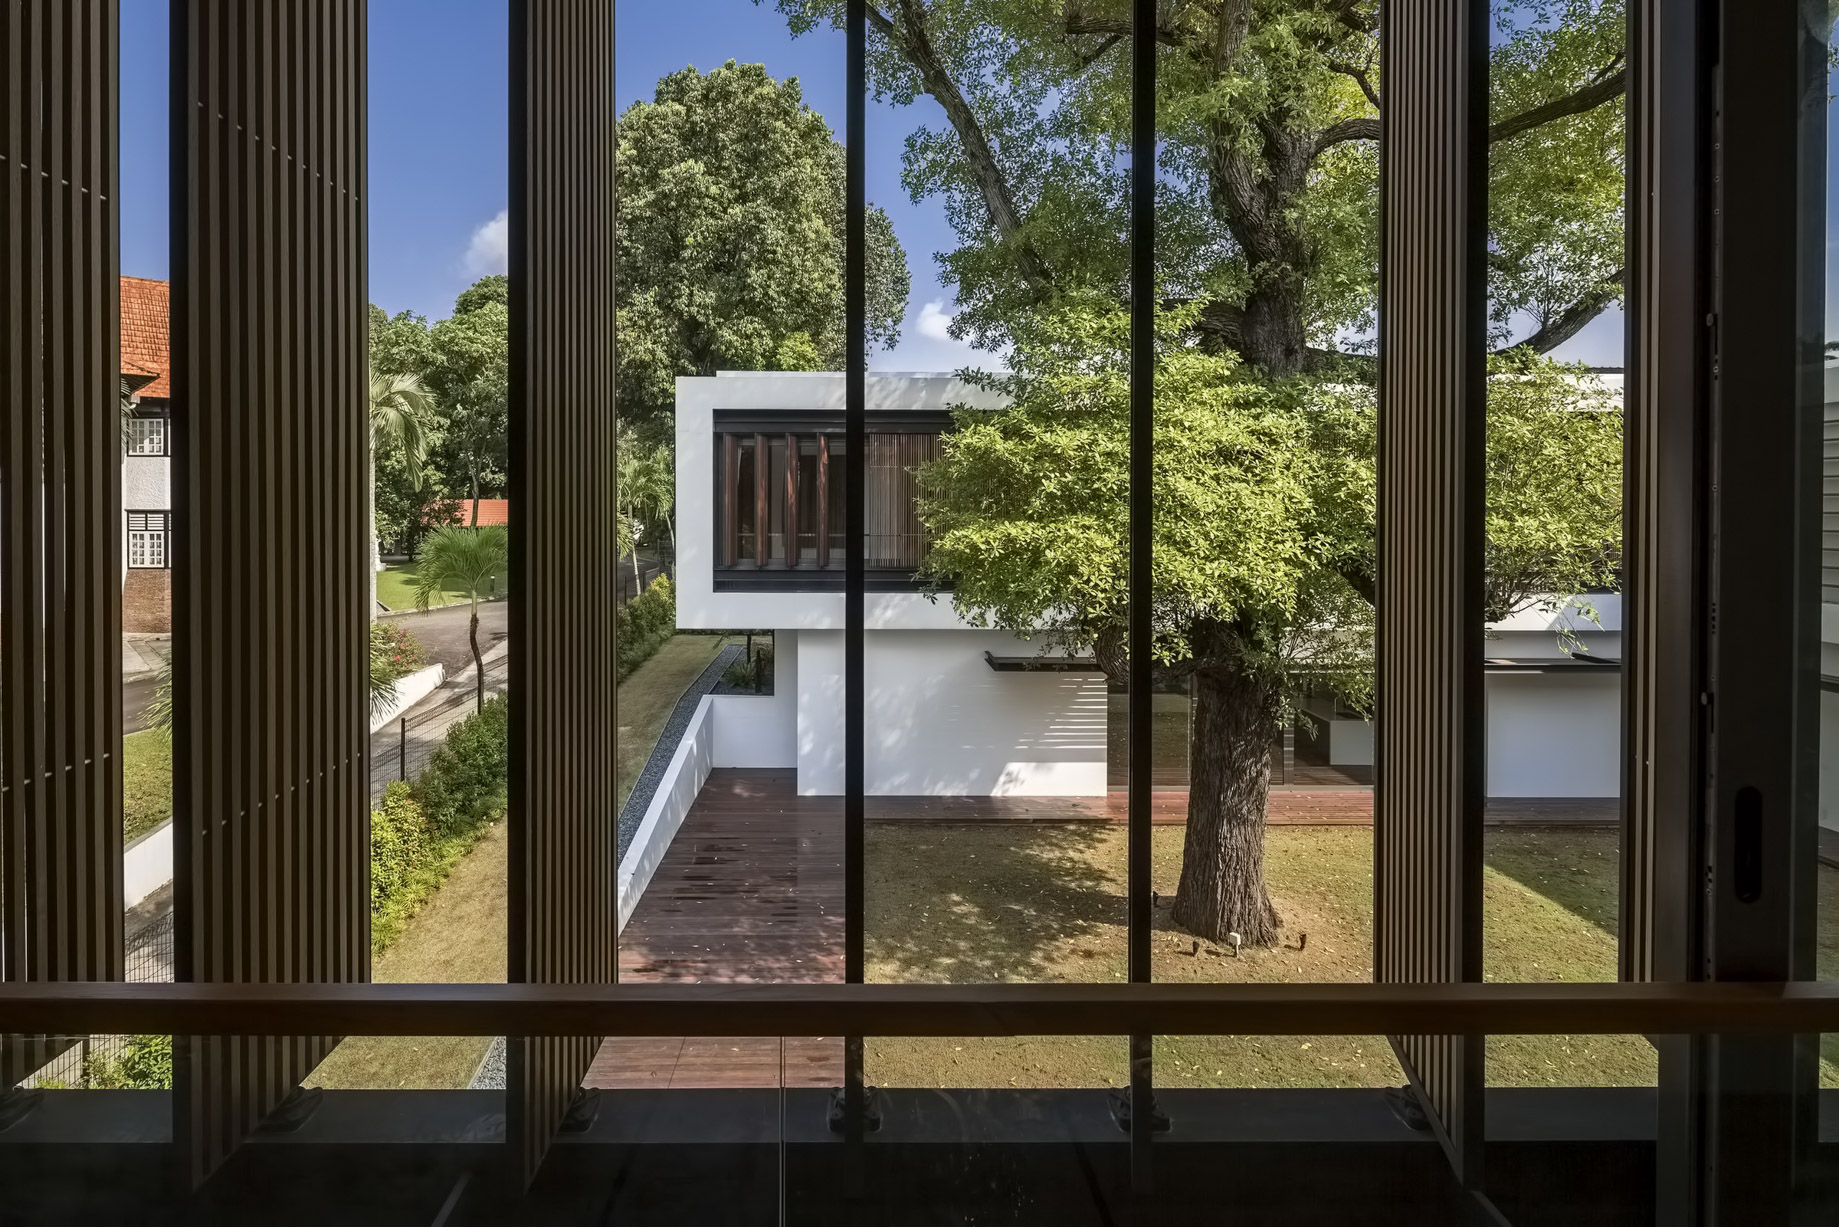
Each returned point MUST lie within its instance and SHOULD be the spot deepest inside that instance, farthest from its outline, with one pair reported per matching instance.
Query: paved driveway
(442, 632)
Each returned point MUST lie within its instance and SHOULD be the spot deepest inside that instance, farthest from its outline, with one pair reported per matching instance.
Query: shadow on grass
(1021, 902)
(1576, 868)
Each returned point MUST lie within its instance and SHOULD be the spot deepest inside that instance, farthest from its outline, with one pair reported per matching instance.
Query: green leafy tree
(1267, 262)
(401, 416)
(1268, 116)
(731, 195)
(468, 560)
(1263, 511)
(645, 494)
(463, 363)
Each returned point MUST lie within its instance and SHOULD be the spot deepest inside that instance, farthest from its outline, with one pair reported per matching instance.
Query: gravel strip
(652, 775)
(490, 1074)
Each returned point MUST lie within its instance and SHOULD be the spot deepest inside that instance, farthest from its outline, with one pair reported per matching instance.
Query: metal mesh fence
(401, 749)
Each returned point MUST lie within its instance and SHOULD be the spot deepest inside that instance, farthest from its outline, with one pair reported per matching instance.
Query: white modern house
(953, 709)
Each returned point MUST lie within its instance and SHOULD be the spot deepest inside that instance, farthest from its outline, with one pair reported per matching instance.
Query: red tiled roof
(146, 333)
(491, 511)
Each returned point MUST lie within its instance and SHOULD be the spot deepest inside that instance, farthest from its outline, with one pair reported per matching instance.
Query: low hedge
(420, 832)
(644, 623)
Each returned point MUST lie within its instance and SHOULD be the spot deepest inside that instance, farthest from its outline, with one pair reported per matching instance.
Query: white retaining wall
(670, 804)
(410, 690)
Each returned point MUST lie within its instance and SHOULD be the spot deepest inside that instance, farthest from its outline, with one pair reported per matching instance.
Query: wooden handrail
(919, 1009)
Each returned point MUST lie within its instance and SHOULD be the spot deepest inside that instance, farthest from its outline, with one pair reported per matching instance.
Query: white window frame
(150, 544)
(147, 435)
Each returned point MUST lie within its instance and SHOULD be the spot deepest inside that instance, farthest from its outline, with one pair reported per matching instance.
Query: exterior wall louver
(1431, 750)
(563, 660)
(60, 499)
(271, 640)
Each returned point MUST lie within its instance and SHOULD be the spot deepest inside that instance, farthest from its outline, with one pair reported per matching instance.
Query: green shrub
(394, 652)
(399, 844)
(755, 673)
(418, 834)
(644, 623)
(145, 1065)
(468, 779)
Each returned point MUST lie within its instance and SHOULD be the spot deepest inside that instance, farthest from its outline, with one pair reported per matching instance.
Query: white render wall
(1554, 735)
(760, 730)
(941, 722)
(146, 485)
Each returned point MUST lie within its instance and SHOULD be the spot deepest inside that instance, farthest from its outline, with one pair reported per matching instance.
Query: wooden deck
(751, 891)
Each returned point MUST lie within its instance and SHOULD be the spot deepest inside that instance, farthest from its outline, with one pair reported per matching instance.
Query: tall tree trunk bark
(1229, 776)
(472, 631)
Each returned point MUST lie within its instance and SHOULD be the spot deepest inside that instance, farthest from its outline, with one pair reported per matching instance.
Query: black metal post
(854, 651)
(1142, 508)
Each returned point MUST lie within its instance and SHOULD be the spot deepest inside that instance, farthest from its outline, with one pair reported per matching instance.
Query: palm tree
(400, 409)
(468, 560)
(645, 489)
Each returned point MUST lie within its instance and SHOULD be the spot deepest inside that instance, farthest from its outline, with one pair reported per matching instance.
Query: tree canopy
(1263, 570)
(731, 237)
(1268, 117)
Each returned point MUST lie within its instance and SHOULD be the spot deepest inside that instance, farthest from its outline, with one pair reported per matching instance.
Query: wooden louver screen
(271, 772)
(60, 500)
(1430, 750)
(564, 674)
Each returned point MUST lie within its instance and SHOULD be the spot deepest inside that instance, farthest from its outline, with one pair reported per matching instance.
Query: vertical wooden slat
(271, 643)
(791, 500)
(60, 504)
(823, 501)
(762, 501)
(731, 499)
(564, 720)
(1431, 738)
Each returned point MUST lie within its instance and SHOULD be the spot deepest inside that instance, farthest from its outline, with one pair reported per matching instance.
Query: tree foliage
(731, 202)
(1268, 114)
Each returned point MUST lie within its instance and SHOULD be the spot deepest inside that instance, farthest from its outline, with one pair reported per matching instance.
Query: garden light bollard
(402, 750)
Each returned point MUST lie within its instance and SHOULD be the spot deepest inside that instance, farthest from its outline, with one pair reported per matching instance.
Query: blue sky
(438, 147)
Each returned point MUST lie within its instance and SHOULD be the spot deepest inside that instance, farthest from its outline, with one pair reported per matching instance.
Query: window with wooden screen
(781, 499)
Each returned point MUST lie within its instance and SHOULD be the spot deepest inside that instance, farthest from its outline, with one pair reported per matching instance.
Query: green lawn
(146, 778)
(396, 587)
(1032, 904)
(458, 937)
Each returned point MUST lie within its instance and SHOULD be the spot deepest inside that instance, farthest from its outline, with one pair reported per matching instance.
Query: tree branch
(911, 37)
(1588, 98)
(1572, 320)
(1361, 128)
(1078, 21)
(1089, 58)
(1359, 74)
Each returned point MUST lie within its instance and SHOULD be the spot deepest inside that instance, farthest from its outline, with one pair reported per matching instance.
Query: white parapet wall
(146, 865)
(410, 690)
(683, 779)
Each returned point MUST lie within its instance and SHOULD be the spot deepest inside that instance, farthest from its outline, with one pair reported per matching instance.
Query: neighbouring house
(146, 466)
(953, 709)
(491, 511)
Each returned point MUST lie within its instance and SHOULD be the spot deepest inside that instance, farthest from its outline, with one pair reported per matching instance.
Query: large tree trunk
(1229, 776)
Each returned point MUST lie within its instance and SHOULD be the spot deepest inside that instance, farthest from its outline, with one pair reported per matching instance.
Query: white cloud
(933, 323)
(490, 249)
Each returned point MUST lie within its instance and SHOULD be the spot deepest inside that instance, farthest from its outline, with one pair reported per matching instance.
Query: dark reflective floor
(1569, 1158)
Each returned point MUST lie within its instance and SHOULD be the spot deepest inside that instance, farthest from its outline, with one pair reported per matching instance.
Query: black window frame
(744, 575)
